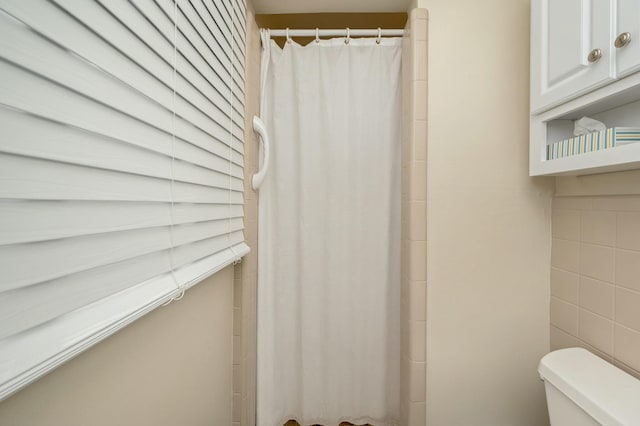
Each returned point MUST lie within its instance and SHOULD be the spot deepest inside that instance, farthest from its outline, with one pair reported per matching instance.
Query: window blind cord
(180, 287)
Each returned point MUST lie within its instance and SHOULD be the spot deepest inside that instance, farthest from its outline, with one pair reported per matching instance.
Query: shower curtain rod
(338, 33)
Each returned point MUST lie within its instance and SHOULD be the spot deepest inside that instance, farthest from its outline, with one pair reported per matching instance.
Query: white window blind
(121, 166)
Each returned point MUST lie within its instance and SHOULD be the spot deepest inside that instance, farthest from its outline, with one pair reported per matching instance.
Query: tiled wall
(595, 277)
(414, 220)
(246, 278)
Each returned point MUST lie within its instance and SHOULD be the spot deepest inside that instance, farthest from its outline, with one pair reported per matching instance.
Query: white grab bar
(261, 130)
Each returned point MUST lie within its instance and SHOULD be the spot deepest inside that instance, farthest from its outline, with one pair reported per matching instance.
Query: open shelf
(616, 105)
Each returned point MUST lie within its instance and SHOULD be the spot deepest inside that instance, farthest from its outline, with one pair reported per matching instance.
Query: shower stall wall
(412, 339)
(413, 379)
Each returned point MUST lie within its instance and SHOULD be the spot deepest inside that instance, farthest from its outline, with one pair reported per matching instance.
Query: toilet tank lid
(606, 393)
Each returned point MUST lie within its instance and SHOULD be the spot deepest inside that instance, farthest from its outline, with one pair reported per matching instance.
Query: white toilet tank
(583, 389)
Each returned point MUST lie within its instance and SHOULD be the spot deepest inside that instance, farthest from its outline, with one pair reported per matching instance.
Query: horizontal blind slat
(193, 252)
(53, 63)
(211, 18)
(190, 233)
(54, 102)
(188, 173)
(220, 15)
(31, 221)
(197, 270)
(26, 221)
(240, 12)
(192, 193)
(29, 307)
(31, 135)
(26, 135)
(190, 61)
(212, 46)
(238, 92)
(138, 58)
(35, 179)
(54, 259)
(28, 355)
(82, 149)
(237, 27)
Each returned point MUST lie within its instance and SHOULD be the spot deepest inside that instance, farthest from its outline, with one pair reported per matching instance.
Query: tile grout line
(579, 273)
(615, 288)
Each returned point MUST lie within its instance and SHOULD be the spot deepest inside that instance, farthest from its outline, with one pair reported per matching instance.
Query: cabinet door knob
(594, 55)
(622, 40)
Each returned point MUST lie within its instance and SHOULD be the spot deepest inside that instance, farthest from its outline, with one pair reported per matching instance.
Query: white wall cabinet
(627, 33)
(585, 61)
(570, 48)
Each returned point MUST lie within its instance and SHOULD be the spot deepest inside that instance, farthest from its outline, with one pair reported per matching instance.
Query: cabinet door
(627, 21)
(563, 33)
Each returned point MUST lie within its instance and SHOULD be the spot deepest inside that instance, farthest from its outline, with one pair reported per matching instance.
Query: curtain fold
(329, 234)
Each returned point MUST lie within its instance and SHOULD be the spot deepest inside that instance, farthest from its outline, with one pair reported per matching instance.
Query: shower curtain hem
(336, 422)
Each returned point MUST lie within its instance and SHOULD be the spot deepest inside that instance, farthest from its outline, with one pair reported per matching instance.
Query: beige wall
(171, 367)
(246, 273)
(488, 222)
(595, 266)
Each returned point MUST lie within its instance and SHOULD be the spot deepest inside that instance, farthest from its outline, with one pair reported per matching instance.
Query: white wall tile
(565, 255)
(597, 296)
(597, 262)
(628, 269)
(565, 224)
(564, 316)
(628, 308)
(628, 230)
(627, 346)
(596, 331)
(564, 285)
(598, 227)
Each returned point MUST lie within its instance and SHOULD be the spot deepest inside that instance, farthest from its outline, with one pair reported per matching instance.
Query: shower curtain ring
(317, 35)
(288, 36)
(348, 39)
(379, 35)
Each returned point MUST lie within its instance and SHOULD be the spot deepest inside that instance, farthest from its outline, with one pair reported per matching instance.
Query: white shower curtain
(329, 234)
